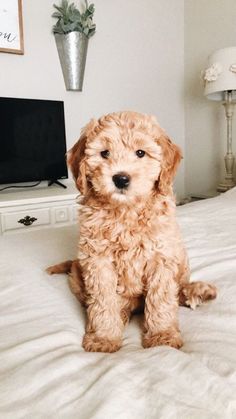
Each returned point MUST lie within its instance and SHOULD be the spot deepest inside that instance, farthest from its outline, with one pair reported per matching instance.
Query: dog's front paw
(95, 343)
(170, 337)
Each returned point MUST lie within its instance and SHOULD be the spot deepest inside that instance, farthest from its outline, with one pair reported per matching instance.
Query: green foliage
(70, 19)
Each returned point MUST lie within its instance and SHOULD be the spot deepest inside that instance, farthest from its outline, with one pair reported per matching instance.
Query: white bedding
(46, 374)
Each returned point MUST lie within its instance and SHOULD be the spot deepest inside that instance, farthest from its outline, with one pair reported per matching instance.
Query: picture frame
(11, 27)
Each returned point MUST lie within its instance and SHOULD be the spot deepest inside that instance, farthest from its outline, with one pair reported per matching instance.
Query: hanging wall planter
(72, 32)
(72, 51)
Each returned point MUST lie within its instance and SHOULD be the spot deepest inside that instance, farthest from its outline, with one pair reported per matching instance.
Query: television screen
(32, 140)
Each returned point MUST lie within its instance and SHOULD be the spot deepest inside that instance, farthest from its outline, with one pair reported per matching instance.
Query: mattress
(44, 371)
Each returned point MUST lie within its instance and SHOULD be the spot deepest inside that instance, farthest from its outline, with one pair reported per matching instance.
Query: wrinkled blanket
(45, 373)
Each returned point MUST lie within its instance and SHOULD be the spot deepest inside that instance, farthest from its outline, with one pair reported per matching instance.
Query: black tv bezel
(35, 178)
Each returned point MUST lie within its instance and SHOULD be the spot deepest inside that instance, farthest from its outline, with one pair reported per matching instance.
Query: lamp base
(226, 185)
(229, 182)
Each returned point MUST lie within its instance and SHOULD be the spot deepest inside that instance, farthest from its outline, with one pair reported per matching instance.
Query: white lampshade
(220, 75)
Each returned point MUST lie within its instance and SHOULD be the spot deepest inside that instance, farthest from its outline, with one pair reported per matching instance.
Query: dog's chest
(131, 245)
(128, 242)
(131, 236)
(130, 257)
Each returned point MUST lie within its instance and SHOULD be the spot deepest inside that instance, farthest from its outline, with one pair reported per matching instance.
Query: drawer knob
(27, 220)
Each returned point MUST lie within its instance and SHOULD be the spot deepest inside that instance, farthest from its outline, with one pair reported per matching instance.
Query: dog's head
(124, 156)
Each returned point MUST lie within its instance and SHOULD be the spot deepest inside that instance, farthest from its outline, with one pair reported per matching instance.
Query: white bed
(46, 374)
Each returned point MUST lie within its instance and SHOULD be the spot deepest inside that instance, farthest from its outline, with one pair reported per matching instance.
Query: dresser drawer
(27, 219)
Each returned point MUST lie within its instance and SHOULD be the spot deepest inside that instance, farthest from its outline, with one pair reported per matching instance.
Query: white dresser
(35, 208)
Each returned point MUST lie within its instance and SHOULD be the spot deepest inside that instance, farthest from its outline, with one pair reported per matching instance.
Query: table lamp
(220, 85)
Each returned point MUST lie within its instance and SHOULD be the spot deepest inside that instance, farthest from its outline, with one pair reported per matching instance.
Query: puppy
(130, 253)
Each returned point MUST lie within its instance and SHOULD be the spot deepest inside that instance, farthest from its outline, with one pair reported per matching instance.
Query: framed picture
(11, 26)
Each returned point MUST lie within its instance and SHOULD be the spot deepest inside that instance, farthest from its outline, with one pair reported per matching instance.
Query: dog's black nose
(121, 180)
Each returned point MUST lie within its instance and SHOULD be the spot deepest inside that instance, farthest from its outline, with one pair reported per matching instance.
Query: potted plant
(72, 32)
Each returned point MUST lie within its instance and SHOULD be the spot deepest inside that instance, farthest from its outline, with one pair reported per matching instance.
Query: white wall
(209, 25)
(135, 61)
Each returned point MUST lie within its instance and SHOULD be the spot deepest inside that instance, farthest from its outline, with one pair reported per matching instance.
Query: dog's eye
(105, 154)
(140, 153)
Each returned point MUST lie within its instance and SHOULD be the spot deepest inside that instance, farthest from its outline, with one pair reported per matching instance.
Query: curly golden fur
(130, 254)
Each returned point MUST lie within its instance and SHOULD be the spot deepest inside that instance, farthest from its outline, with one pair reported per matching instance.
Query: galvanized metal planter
(72, 51)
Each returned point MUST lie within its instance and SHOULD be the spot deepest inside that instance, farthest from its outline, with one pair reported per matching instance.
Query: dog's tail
(76, 283)
(60, 268)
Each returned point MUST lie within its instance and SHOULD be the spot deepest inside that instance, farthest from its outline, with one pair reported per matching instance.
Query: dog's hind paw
(194, 294)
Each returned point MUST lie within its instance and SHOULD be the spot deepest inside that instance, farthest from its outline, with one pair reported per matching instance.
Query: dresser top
(40, 194)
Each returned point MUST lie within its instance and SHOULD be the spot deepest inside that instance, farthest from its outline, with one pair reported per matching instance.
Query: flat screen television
(32, 140)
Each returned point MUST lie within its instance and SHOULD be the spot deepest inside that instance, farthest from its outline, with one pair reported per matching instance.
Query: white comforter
(45, 373)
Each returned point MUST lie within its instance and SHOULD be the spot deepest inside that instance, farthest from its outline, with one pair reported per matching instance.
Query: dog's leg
(104, 323)
(193, 294)
(76, 283)
(161, 307)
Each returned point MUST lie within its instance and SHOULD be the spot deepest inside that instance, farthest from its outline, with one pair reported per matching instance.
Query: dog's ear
(171, 157)
(76, 162)
(76, 158)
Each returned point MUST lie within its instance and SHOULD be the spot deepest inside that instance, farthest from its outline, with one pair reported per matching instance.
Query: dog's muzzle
(121, 180)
